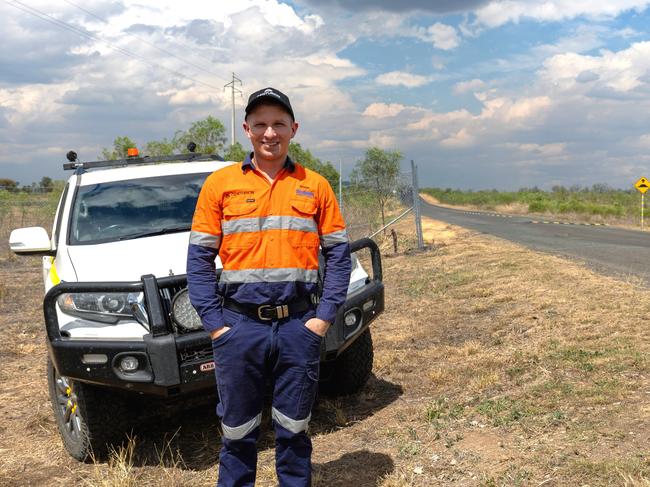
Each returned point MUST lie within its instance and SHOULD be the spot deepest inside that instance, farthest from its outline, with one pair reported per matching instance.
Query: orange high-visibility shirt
(267, 237)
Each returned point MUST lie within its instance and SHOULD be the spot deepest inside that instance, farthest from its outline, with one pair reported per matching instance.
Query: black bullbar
(170, 363)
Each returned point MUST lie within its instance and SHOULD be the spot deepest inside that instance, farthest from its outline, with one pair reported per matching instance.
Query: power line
(197, 66)
(59, 23)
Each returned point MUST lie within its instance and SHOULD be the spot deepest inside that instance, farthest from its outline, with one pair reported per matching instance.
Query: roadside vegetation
(598, 203)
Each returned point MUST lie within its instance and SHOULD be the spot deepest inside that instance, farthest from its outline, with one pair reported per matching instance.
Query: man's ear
(247, 130)
(294, 129)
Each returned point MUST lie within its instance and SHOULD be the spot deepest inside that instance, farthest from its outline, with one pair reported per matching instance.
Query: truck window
(134, 208)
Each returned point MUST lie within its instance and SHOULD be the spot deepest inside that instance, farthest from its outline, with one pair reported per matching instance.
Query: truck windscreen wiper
(161, 231)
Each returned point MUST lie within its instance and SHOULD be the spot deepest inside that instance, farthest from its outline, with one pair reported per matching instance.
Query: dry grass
(495, 366)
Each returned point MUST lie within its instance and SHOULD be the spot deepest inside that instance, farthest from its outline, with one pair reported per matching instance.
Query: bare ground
(494, 366)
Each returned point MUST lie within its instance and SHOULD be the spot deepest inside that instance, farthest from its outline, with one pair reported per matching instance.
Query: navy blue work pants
(249, 355)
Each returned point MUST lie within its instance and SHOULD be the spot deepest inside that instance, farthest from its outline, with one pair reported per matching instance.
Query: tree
(120, 146)
(379, 170)
(46, 185)
(208, 135)
(8, 184)
(235, 153)
(307, 159)
(160, 148)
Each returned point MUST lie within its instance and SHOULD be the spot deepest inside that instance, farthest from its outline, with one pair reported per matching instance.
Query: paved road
(613, 251)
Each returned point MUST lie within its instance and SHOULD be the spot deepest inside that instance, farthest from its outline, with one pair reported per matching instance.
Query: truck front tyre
(351, 370)
(91, 420)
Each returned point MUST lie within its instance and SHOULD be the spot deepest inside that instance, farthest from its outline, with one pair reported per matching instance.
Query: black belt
(268, 312)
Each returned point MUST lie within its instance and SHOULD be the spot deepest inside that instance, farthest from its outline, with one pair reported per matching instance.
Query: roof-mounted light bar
(133, 159)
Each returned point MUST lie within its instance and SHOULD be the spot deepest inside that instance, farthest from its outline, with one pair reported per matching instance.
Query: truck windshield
(122, 210)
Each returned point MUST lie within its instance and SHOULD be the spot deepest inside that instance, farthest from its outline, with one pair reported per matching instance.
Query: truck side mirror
(30, 241)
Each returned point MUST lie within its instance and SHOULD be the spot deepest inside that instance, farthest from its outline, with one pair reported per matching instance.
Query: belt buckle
(260, 309)
(281, 311)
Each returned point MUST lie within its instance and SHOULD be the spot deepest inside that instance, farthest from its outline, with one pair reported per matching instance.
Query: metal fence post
(416, 205)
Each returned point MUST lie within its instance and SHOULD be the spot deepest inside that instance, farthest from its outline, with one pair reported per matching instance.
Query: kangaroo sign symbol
(642, 185)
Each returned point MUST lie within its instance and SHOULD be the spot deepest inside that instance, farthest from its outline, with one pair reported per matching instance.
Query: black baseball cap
(272, 95)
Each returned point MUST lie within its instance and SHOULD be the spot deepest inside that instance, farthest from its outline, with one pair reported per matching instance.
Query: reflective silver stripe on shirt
(270, 275)
(293, 425)
(260, 224)
(239, 432)
(331, 239)
(205, 239)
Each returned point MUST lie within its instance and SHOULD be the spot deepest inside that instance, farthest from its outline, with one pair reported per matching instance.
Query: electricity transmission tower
(233, 90)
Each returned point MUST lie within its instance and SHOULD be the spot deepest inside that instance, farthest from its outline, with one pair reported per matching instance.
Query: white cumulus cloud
(466, 86)
(383, 110)
(401, 78)
(498, 13)
(621, 71)
(442, 36)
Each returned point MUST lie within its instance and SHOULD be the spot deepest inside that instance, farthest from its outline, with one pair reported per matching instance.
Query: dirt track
(494, 366)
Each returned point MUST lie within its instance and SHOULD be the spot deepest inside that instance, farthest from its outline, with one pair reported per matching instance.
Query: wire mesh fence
(361, 207)
(17, 210)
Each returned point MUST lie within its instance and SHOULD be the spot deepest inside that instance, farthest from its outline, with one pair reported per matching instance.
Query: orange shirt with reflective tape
(264, 225)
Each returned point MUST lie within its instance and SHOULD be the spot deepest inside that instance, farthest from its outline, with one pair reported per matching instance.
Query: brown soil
(494, 366)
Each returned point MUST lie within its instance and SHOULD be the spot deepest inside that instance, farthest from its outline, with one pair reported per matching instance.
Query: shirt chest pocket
(303, 229)
(240, 225)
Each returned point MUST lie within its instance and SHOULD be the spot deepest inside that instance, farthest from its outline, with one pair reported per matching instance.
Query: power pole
(416, 205)
(235, 79)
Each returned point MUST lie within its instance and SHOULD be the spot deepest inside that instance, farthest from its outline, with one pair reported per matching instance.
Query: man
(265, 219)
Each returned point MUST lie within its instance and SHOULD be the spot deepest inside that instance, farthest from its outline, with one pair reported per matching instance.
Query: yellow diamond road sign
(642, 185)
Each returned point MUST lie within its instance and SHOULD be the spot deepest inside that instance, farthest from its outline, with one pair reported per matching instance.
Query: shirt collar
(249, 164)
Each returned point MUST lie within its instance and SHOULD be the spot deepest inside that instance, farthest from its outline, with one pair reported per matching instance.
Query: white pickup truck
(117, 316)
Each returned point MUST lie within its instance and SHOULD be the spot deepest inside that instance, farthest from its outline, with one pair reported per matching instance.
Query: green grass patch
(441, 411)
(553, 390)
(582, 359)
(449, 280)
(503, 411)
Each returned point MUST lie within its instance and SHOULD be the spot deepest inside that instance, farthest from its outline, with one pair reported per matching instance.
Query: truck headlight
(103, 307)
(183, 313)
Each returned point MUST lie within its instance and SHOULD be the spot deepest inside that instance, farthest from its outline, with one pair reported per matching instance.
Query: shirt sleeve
(336, 253)
(205, 240)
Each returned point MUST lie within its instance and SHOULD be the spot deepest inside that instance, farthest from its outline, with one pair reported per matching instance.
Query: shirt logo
(301, 192)
(233, 194)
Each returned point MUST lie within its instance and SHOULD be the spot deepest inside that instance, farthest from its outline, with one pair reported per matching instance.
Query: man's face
(270, 130)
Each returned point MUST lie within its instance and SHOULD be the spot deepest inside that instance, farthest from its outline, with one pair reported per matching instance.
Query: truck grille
(198, 354)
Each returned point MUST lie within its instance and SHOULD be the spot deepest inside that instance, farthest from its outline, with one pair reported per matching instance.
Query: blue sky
(480, 93)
